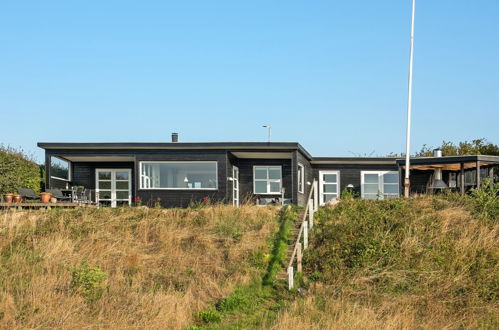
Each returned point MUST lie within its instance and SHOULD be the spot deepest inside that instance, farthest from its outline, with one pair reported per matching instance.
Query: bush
(486, 201)
(18, 170)
(88, 281)
(209, 316)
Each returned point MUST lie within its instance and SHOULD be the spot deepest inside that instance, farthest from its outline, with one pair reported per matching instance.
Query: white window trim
(235, 186)
(141, 183)
(381, 183)
(302, 179)
(267, 180)
(321, 185)
(113, 188)
(69, 169)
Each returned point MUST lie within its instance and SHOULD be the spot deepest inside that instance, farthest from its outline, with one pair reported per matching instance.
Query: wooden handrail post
(291, 278)
(311, 213)
(305, 235)
(299, 258)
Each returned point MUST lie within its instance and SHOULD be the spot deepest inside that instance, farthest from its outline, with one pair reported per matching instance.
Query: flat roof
(451, 159)
(175, 145)
(270, 146)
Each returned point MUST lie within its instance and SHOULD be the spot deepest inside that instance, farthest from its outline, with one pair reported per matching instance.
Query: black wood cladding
(83, 173)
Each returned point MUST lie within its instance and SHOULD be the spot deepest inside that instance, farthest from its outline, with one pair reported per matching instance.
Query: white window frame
(321, 185)
(267, 180)
(141, 182)
(113, 188)
(381, 192)
(301, 180)
(235, 186)
(69, 169)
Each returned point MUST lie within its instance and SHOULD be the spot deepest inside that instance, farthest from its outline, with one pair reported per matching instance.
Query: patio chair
(80, 195)
(28, 194)
(57, 193)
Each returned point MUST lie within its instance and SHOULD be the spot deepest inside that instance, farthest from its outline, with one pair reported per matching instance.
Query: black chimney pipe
(174, 137)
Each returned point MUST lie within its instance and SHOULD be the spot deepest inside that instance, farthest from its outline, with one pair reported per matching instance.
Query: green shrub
(88, 281)
(18, 170)
(348, 193)
(235, 301)
(209, 316)
(438, 248)
(486, 201)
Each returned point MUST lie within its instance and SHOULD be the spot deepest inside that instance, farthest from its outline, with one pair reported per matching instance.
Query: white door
(235, 186)
(113, 186)
(329, 186)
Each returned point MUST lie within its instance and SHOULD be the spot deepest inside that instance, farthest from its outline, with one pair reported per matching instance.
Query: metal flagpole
(409, 110)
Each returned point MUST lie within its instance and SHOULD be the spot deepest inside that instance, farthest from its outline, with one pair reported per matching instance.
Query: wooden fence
(301, 243)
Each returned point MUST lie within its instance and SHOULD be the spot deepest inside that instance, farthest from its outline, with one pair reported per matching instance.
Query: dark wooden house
(177, 174)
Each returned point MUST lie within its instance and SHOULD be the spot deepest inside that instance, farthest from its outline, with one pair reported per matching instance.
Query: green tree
(473, 147)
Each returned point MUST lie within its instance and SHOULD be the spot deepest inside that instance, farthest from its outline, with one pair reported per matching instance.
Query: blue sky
(331, 75)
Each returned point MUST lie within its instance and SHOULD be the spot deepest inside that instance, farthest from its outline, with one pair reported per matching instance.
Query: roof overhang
(263, 155)
(450, 163)
(100, 158)
(230, 146)
(354, 160)
(160, 145)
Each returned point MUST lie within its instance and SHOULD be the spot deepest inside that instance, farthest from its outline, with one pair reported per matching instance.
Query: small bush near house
(18, 170)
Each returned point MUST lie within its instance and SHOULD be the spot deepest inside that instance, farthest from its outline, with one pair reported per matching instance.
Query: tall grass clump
(426, 262)
(127, 267)
(486, 200)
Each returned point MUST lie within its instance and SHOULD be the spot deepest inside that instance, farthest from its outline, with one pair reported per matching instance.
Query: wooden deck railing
(301, 243)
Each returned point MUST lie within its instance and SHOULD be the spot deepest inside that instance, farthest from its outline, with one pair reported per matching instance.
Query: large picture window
(59, 168)
(379, 184)
(267, 179)
(179, 175)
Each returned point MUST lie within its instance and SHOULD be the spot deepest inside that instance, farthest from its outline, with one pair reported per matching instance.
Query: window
(379, 184)
(179, 175)
(329, 183)
(301, 178)
(59, 168)
(267, 179)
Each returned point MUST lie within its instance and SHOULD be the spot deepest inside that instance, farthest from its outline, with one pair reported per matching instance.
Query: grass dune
(160, 266)
(427, 262)
(421, 263)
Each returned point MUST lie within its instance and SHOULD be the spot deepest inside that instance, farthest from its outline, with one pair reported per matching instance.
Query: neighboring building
(176, 174)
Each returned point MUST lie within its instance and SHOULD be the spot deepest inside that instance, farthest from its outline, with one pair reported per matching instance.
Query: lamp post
(409, 109)
(270, 130)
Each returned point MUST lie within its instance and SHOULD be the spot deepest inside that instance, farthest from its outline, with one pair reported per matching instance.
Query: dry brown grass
(424, 263)
(162, 266)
